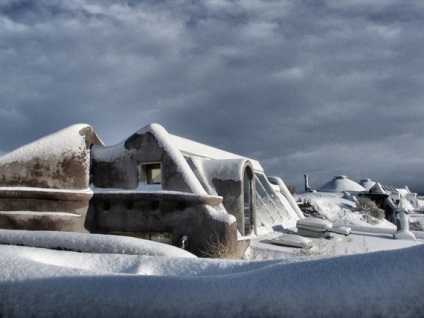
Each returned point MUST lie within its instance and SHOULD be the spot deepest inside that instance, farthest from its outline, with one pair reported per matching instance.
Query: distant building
(397, 194)
(152, 185)
(342, 184)
(367, 183)
(386, 197)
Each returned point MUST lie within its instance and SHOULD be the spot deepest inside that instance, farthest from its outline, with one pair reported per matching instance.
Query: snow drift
(46, 283)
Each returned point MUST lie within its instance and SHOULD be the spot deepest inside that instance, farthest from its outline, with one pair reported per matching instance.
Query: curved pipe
(288, 195)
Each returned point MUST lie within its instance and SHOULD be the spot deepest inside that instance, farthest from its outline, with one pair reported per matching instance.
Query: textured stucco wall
(226, 178)
(118, 166)
(133, 213)
(51, 162)
(43, 185)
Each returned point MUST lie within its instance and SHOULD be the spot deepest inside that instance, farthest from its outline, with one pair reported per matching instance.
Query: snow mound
(340, 184)
(90, 243)
(340, 209)
(37, 282)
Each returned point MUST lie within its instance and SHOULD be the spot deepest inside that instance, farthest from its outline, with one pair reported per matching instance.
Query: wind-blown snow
(45, 283)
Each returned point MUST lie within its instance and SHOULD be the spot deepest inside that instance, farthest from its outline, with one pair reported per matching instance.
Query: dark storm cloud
(317, 87)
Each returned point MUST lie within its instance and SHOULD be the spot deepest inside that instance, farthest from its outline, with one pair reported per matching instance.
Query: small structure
(367, 183)
(307, 187)
(403, 232)
(318, 228)
(152, 185)
(292, 240)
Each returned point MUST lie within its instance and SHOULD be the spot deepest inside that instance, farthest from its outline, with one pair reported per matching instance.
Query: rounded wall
(228, 179)
(118, 166)
(57, 161)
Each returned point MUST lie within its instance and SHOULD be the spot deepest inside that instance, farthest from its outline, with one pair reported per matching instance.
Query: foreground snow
(90, 243)
(50, 283)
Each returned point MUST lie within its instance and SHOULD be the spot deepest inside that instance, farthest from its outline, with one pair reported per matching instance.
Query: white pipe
(288, 195)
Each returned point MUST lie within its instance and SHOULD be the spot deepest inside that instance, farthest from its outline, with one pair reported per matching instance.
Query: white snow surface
(39, 282)
(111, 153)
(195, 149)
(90, 243)
(67, 141)
(49, 190)
(51, 274)
(340, 184)
(340, 209)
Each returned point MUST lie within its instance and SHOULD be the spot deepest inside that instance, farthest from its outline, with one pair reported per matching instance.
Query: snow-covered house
(152, 185)
(396, 195)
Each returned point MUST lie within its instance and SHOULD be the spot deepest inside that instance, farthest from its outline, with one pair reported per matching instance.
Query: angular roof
(377, 188)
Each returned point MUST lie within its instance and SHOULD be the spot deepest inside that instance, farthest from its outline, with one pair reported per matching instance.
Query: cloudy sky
(317, 87)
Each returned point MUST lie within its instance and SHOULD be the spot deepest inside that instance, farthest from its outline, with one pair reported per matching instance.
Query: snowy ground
(51, 283)
(340, 208)
(366, 274)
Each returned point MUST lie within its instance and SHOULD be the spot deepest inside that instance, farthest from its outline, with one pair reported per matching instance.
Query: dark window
(151, 173)
(247, 196)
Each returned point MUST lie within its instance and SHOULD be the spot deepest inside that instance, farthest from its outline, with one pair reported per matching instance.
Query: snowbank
(90, 243)
(340, 209)
(45, 283)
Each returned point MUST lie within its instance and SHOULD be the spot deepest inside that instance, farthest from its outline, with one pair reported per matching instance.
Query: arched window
(249, 221)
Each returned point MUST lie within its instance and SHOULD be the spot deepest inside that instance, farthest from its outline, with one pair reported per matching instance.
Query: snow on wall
(166, 141)
(109, 154)
(59, 160)
(66, 142)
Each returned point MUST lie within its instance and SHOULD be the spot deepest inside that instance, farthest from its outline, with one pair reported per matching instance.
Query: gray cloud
(318, 87)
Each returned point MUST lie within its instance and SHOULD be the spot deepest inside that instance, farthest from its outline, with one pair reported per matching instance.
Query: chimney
(307, 187)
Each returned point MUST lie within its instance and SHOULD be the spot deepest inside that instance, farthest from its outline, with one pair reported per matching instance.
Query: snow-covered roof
(66, 142)
(377, 188)
(341, 184)
(192, 148)
(367, 183)
(60, 160)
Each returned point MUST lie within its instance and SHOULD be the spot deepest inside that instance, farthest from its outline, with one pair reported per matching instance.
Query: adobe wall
(118, 166)
(44, 185)
(226, 178)
(60, 166)
(136, 213)
(232, 193)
